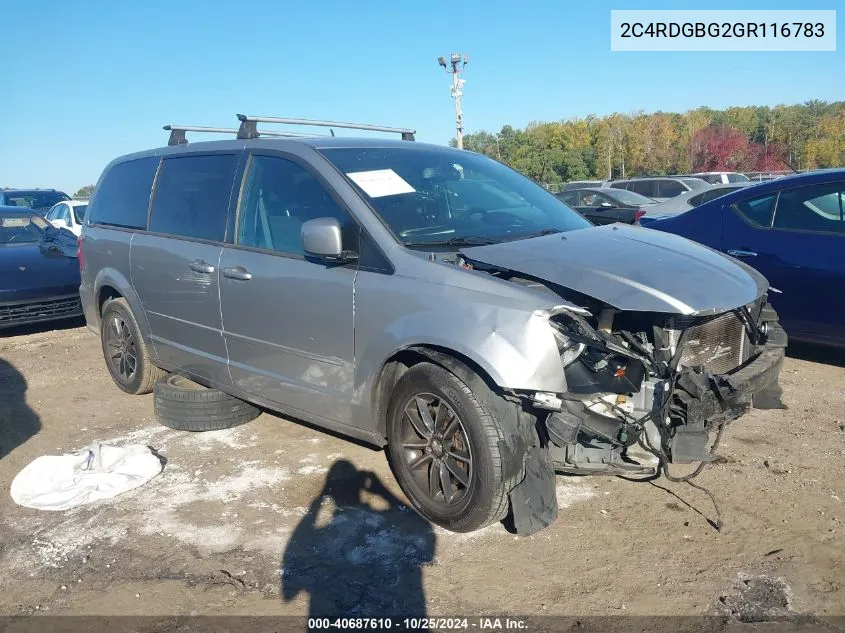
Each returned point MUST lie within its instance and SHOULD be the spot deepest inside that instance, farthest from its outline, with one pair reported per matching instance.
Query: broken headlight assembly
(570, 350)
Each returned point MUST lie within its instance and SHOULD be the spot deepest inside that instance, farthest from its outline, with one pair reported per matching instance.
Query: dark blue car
(39, 271)
(793, 231)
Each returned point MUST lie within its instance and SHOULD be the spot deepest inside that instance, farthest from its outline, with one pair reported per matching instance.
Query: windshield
(79, 212)
(38, 200)
(19, 229)
(738, 178)
(630, 197)
(434, 196)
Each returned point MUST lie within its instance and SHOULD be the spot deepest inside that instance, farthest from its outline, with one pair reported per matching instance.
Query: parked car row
(663, 186)
(621, 202)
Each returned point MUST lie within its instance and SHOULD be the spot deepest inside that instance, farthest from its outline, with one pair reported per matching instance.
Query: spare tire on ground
(187, 406)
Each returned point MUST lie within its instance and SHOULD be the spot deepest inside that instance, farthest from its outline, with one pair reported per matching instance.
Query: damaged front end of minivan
(646, 389)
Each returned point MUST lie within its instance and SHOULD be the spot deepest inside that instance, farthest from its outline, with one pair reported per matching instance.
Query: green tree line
(805, 136)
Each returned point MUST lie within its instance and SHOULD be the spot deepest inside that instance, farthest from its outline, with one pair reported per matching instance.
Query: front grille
(717, 344)
(11, 313)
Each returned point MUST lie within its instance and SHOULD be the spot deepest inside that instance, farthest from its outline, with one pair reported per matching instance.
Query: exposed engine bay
(647, 389)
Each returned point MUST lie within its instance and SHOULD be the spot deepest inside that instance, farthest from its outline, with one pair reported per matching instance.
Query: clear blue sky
(84, 82)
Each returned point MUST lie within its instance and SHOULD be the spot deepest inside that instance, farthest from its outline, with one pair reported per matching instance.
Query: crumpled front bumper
(703, 401)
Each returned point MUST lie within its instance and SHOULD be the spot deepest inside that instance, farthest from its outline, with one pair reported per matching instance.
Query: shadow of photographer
(358, 551)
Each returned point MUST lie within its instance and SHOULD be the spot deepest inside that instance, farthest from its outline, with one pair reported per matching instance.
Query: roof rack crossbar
(249, 129)
(177, 132)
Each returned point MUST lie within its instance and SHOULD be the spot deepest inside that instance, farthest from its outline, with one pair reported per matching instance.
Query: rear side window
(647, 188)
(123, 198)
(757, 211)
(671, 188)
(192, 196)
(819, 208)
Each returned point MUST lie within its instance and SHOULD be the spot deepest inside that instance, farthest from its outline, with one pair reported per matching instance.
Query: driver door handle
(238, 272)
(733, 252)
(201, 266)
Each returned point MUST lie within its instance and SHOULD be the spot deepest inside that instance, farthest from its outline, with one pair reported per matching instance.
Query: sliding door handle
(238, 272)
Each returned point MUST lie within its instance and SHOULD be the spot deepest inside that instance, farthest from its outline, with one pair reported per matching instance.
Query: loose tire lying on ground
(187, 406)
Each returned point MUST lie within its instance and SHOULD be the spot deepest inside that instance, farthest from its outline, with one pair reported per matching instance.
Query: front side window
(817, 208)
(278, 197)
(757, 211)
(440, 195)
(192, 196)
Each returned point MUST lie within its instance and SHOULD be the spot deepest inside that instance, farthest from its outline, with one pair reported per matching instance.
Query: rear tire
(124, 350)
(184, 405)
(444, 448)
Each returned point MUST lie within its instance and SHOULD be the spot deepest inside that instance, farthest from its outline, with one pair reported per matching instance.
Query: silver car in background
(688, 200)
(424, 299)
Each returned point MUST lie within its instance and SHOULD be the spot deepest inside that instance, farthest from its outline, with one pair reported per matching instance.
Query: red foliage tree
(771, 158)
(722, 149)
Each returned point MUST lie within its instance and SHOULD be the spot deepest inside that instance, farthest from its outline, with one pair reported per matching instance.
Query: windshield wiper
(462, 240)
(541, 233)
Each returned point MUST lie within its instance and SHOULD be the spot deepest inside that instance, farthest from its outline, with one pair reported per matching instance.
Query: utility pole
(458, 62)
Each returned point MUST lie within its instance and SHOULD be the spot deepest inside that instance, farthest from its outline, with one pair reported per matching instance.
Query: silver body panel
(631, 269)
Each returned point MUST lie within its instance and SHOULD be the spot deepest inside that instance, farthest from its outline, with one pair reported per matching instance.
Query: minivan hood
(631, 268)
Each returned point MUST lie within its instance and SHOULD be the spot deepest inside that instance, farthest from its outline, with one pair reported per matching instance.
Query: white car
(68, 214)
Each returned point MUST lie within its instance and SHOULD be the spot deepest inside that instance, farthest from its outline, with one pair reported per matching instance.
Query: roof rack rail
(177, 132)
(249, 129)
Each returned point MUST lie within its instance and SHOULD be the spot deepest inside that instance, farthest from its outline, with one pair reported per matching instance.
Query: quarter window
(819, 208)
(123, 197)
(757, 211)
(192, 196)
(278, 197)
(670, 188)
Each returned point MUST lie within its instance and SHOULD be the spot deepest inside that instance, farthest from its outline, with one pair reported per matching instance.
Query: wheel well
(106, 293)
(395, 366)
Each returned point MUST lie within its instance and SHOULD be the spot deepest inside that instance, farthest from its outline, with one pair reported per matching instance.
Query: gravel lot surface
(275, 517)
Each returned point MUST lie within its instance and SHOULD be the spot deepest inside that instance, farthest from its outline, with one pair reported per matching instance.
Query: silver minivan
(424, 299)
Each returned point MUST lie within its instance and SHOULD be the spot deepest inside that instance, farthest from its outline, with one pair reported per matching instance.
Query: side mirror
(322, 237)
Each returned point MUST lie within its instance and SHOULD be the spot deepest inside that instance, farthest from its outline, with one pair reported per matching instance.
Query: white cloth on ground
(96, 472)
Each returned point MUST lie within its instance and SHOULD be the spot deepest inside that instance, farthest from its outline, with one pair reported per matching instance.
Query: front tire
(444, 450)
(124, 350)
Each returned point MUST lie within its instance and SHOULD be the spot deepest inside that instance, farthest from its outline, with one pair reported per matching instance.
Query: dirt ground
(272, 517)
